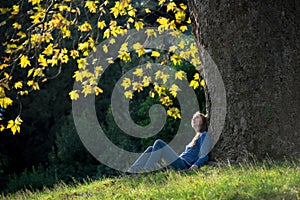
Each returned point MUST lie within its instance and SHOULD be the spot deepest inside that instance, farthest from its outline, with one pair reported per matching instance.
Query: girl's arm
(203, 152)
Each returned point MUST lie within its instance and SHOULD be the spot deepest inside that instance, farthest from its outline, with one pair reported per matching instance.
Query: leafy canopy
(42, 36)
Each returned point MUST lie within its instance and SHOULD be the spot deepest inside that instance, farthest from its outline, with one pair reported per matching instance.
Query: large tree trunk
(255, 44)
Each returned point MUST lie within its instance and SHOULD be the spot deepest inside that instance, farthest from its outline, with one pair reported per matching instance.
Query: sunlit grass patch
(264, 180)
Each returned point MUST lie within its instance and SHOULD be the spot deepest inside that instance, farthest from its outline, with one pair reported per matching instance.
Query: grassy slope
(266, 180)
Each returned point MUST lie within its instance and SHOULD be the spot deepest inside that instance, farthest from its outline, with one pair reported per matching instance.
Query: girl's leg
(163, 152)
(178, 164)
(139, 164)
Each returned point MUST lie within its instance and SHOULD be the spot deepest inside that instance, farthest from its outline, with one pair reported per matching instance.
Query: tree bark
(255, 44)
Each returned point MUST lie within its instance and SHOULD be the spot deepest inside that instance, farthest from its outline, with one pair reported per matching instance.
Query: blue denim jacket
(197, 154)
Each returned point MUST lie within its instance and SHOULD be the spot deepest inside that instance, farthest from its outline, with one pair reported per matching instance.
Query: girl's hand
(193, 167)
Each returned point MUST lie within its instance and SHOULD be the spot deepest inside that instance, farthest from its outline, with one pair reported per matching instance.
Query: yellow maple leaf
(172, 48)
(48, 50)
(74, 53)
(82, 63)
(66, 32)
(155, 54)
(110, 60)
(10, 125)
(131, 12)
(158, 74)
(16, 9)
(174, 112)
(126, 83)
(189, 21)
(196, 77)
(30, 72)
(97, 90)
(21, 34)
(151, 32)
(106, 33)
(176, 59)
(146, 81)
(138, 72)
(138, 48)
(74, 95)
(148, 65)
(14, 126)
(151, 94)
(160, 2)
(194, 84)
(139, 25)
(124, 4)
(173, 90)
(24, 62)
(128, 94)
(180, 16)
(124, 47)
(91, 5)
(202, 83)
(147, 10)
(137, 86)
(5, 102)
(171, 6)
(42, 60)
(115, 31)
(183, 28)
(64, 59)
(172, 25)
(112, 41)
(166, 101)
(34, 1)
(85, 27)
(8, 77)
(64, 7)
(125, 56)
(2, 66)
(196, 61)
(160, 90)
(98, 70)
(4, 10)
(101, 24)
(181, 44)
(164, 77)
(113, 24)
(22, 93)
(2, 91)
(78, 76)
(18, 84)
(33, 84)
(193, 50)
(87, 89)
(16, 25)
(164, 23)
(130, 20)
(183, 6)
(53, 61)
(2, 127)
(83, 46)
(115, 10)
(105, 48)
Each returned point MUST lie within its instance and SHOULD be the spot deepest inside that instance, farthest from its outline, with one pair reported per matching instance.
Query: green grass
(267, 180)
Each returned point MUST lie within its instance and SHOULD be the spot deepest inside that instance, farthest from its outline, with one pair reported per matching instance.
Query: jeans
(155, 157)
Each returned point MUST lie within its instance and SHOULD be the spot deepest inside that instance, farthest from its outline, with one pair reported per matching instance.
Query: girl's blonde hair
(202, 127)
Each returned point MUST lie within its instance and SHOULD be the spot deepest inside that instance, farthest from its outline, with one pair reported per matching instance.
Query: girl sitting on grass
(192, 158)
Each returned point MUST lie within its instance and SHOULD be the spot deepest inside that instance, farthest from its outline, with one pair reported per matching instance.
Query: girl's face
(196, 121)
